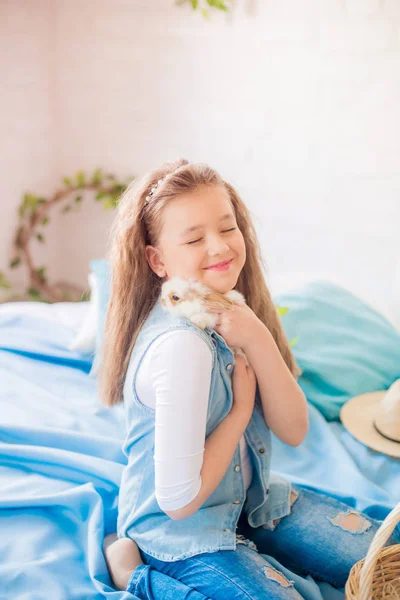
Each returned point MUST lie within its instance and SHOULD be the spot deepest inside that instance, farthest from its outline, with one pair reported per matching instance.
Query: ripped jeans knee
(275, 575)
(319, 536)
(351, 520)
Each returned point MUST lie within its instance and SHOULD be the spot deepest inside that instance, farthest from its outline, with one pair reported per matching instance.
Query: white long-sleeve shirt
(174, 379)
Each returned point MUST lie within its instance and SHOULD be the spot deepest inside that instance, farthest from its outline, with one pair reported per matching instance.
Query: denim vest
(213, 526)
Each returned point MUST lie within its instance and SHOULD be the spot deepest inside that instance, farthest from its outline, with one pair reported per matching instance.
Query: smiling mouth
(225, 263)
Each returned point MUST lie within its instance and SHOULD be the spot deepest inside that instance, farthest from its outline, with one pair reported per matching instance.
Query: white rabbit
(191, 299)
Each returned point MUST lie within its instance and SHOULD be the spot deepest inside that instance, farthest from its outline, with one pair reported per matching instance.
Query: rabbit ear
(217, 301)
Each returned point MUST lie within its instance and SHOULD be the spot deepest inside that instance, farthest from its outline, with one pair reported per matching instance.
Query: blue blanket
(61, 464)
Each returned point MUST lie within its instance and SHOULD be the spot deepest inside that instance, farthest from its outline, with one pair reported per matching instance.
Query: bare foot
(122, 557)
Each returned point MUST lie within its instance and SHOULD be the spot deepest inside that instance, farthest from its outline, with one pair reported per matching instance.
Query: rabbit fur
(190, 298)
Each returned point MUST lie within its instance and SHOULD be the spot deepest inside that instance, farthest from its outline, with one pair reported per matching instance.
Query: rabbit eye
(175, 298)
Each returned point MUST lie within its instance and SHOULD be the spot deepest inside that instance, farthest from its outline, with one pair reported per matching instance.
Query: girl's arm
(222, 443)
(176, 383)
(220, 447)
(188, 467)
(284, 403)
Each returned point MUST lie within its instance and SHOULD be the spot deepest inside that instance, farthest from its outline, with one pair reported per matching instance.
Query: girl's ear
(154, 259)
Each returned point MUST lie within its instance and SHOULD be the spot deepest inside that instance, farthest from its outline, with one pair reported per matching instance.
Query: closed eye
(199, 239)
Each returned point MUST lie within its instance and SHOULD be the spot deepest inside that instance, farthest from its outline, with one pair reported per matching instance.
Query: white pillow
(70, 314)
(85, 339)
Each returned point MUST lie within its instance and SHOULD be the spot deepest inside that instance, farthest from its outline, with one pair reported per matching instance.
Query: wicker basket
(377, 576)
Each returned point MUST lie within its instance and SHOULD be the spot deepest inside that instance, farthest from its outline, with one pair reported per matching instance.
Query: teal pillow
(101, 269)
(345, 347)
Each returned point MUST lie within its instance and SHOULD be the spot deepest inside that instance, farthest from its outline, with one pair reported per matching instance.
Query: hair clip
(154, 188)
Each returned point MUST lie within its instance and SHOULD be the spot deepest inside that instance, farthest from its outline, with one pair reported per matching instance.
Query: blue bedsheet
(61, 464)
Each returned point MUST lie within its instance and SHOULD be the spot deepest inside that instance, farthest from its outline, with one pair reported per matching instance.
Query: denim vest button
(237, 468)
(228, 366)
(261, 450)
(228, 530)
(267, 491)
(236, 502)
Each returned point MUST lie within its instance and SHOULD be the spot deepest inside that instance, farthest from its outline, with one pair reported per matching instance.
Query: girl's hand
(238, 326)
(244, 383)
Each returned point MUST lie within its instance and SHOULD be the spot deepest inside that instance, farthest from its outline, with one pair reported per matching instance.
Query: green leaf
(78, 199)
(220, 4)
(217, 4)
(29, 202)
(97, 177)
(282, 310)
(40, 237)
(66, 208)
(80, 179)
(4, 283)
(67, 181)
(100, 195)
(15, 262)
(85, 297)
(33, 293)
(108, 203)
(45, 220)
(294, 341)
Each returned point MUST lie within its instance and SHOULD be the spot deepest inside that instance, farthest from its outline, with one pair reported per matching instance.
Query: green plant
(204, 5)
(33, 214)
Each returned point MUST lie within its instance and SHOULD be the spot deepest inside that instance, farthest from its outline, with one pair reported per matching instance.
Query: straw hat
(374, 419)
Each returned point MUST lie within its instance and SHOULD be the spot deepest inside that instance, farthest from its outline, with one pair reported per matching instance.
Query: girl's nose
(217, 246)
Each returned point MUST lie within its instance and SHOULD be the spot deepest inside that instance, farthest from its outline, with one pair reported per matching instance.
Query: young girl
(197, 495)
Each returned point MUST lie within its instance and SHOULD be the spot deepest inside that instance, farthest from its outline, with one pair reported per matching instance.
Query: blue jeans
(320, 538)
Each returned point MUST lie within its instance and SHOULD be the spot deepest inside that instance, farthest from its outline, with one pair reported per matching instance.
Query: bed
(61, 461)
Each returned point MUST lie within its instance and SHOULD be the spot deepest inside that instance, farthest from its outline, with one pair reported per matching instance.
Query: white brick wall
(26, 117)
(363, 7)
(391, 8)
(293, 101)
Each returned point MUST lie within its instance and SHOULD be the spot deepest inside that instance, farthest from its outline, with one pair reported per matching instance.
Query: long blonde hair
(135, 287)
